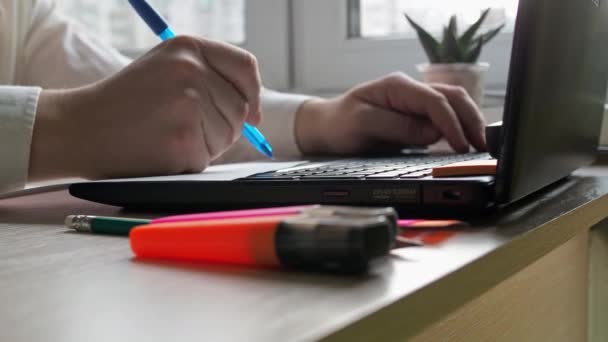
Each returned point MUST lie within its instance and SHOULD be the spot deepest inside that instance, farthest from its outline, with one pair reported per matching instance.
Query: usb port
(452, 195)
(336, 193)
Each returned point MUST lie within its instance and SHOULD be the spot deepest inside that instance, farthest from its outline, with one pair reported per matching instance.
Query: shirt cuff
(279, 122)
(17, 115)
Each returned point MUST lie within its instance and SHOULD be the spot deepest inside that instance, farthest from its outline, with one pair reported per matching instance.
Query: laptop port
(452, 195)
(336, 193)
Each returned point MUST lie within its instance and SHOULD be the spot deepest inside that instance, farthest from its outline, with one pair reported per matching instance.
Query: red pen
(335, 244)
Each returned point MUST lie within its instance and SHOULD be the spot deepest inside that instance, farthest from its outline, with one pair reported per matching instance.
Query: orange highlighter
(327, 244)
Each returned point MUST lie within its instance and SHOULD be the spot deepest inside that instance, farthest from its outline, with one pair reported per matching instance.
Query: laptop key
(329, 174)
(392, 174)
(334, 177)
(350, 172)
(413, 169)
(420, 174)
(272, 176)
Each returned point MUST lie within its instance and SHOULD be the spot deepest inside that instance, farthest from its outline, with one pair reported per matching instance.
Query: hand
(395, 110)
(172, 111)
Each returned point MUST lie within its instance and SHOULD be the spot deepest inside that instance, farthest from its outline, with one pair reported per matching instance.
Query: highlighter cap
(335, 244)
(356, 213)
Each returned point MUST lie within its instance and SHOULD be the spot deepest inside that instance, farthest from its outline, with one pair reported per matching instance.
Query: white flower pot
(468, 76)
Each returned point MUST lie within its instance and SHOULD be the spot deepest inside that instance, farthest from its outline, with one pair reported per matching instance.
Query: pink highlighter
(312, 211)
(315, 210)
(236, 214)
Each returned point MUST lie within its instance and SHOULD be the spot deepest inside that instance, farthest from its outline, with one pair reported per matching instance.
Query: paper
(214, 173)
(36, 188)
(225, 172)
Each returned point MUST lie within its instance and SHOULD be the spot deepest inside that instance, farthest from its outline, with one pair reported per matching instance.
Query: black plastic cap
(350, 212)
(333, 244)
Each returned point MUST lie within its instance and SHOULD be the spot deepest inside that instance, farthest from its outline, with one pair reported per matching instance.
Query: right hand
(172, 111)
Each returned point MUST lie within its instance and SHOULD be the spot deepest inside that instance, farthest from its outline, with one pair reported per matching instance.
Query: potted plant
(454, 58)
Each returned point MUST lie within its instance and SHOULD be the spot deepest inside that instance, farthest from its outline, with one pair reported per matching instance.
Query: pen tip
(267, 150)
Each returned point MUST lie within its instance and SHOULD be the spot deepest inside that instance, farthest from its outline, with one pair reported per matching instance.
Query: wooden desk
(522, 276)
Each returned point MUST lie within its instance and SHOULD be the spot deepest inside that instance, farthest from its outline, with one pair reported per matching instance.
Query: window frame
(267, 36)
(326, 60)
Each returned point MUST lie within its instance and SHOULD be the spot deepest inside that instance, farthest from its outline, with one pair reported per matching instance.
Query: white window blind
(260, 26)
(115, 22)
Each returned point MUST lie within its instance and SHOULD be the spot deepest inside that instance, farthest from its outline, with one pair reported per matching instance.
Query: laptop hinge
(494, 138)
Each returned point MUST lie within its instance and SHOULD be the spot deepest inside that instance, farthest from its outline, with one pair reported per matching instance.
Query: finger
(217, 131)
(229, 102)
(198, 157)
(468, 112)
(238, 67)
(222, 108)
(394, 127)
(189, 145)
(403, 94)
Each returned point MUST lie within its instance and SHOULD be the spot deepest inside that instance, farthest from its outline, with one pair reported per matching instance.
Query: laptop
(553, 112)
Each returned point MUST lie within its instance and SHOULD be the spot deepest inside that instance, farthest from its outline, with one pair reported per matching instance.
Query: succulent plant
(455, 47)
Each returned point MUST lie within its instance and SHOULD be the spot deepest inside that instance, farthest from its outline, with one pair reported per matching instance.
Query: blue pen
(162, 29)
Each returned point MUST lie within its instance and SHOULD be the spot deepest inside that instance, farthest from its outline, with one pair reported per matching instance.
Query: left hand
(395, 110)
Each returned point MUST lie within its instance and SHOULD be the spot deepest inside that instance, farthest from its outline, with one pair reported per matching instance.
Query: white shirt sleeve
(17, 112)
(278, 126)
(39, 49)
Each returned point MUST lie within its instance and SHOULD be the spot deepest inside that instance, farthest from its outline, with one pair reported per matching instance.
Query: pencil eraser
(467, 168)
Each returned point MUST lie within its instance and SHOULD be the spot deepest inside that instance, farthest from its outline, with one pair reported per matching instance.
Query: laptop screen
(555, 94)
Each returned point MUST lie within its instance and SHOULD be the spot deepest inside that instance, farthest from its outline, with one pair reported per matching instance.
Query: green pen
(103, 225)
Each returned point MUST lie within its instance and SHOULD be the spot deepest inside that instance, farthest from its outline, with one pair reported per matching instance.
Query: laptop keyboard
(386, 168)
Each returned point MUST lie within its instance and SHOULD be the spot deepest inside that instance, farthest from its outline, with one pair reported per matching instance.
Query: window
(316, 46)
(384, 18)
(260, 26)
(340, 43)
